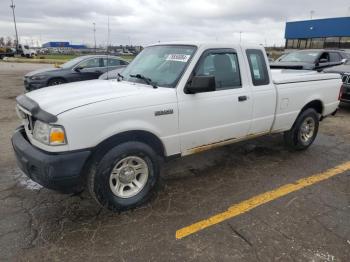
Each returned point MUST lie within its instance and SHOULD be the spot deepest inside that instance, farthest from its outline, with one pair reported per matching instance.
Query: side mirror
(323, 60)
(78, 68)
(200, 84)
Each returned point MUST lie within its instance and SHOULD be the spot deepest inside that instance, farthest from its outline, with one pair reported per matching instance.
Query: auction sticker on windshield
(178, 57)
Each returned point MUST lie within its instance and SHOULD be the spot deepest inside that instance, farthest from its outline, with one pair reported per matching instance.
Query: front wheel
(304, 130)
(125, 177)
(56, 81)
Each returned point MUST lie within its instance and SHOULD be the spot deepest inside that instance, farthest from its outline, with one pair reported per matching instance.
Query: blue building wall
(329, 27)
(63, 44)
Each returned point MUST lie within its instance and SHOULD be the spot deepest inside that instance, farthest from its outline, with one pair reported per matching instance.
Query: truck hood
(61, 98)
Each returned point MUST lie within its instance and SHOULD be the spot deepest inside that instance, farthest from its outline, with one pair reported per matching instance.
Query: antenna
(108, 33)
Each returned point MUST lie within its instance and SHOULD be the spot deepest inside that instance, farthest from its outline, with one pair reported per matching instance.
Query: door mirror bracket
(200, 84)
(78, 68)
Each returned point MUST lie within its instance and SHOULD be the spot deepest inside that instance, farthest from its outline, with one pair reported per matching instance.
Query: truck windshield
(163, 64)
(303, 56)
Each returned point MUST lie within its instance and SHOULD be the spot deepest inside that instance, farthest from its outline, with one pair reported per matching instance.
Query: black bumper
(33, 85)
(57, 171)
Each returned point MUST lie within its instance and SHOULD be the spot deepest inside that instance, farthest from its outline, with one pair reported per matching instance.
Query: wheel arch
(57, 77)
(143, 136)
(315, 104)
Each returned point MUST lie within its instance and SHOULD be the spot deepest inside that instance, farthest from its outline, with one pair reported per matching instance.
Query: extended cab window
(258, 68)
(223, 66)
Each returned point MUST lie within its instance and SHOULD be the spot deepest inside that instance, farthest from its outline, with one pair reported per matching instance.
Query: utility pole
(312, 12)
(14, 21)
(240, 37)
(94, 35)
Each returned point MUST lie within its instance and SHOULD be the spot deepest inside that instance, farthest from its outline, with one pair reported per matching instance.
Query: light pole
(240, 37)
(14, 21)
(312, 12)
(94, 35)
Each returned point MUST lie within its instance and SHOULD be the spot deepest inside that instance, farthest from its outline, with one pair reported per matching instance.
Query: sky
(139, 22)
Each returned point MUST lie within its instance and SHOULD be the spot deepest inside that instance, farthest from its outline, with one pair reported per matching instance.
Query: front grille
(30, 123)
(27, 119)
(345, 78)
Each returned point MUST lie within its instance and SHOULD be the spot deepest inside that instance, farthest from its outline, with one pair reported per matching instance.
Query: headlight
(38, 77)
(49, 134)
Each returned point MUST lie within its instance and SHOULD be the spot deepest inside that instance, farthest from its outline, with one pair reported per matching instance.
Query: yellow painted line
(263, 198)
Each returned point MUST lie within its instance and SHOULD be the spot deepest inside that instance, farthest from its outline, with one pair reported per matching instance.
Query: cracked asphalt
(312, 224)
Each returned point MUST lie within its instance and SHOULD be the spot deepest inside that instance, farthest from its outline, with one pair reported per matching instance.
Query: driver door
(216, 117)
(89, 69)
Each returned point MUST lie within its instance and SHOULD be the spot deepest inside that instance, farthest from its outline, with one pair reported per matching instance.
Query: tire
(112, 189)
(56, 81)
(304, 130)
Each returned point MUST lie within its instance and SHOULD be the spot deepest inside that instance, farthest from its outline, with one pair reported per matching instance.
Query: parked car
(173, 100)
(311, 59)
(78, 69)
(340, 69)
(6, 52)
(345, 89)
(113, 74)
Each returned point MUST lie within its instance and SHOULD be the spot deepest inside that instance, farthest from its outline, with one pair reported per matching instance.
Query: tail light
(341, 92)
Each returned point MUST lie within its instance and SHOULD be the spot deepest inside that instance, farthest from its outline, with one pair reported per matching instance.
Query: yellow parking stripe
(263, 198)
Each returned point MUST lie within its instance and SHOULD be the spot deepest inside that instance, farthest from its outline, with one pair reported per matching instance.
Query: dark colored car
(311, 59)
(340, 69)
(345, 89)
(78, 69)
(113, 74)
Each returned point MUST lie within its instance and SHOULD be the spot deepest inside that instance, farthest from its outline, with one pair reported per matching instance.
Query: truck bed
(285, 76)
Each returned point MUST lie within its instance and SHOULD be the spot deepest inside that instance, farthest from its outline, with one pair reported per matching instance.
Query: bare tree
(2, 41)
(9, 41)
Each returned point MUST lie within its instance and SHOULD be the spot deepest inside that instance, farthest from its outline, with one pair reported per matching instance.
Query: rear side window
(258, 69)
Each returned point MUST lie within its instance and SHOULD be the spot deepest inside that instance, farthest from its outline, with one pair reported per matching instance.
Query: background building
(63, 45)
(318, 33)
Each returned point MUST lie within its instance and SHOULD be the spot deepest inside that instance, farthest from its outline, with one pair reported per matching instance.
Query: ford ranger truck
(172, 100)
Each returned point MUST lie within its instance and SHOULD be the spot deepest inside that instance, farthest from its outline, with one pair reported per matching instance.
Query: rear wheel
(56, 81)
(125, 177)
(304, 130)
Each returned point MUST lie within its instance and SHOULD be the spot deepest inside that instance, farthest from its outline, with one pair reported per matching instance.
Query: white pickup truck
(173, 100)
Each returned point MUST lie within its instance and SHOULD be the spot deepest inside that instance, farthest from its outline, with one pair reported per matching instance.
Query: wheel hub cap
(128, 177)
(307, 130)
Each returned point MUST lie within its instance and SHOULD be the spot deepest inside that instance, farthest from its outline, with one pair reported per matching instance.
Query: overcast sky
(144, 22)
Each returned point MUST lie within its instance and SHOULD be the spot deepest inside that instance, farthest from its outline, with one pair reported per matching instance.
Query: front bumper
(57, 171)
(33, 85)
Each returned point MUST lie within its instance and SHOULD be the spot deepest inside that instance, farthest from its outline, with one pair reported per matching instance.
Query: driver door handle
(242, 98)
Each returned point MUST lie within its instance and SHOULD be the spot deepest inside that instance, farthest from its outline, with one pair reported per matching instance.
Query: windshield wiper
(119, 77)
(147, 80)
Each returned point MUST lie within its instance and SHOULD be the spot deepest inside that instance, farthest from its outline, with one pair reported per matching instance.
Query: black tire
(294, 138)
(56, 81)
(98, 179)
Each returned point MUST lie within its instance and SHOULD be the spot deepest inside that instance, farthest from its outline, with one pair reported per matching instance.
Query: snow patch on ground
(27, 182)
